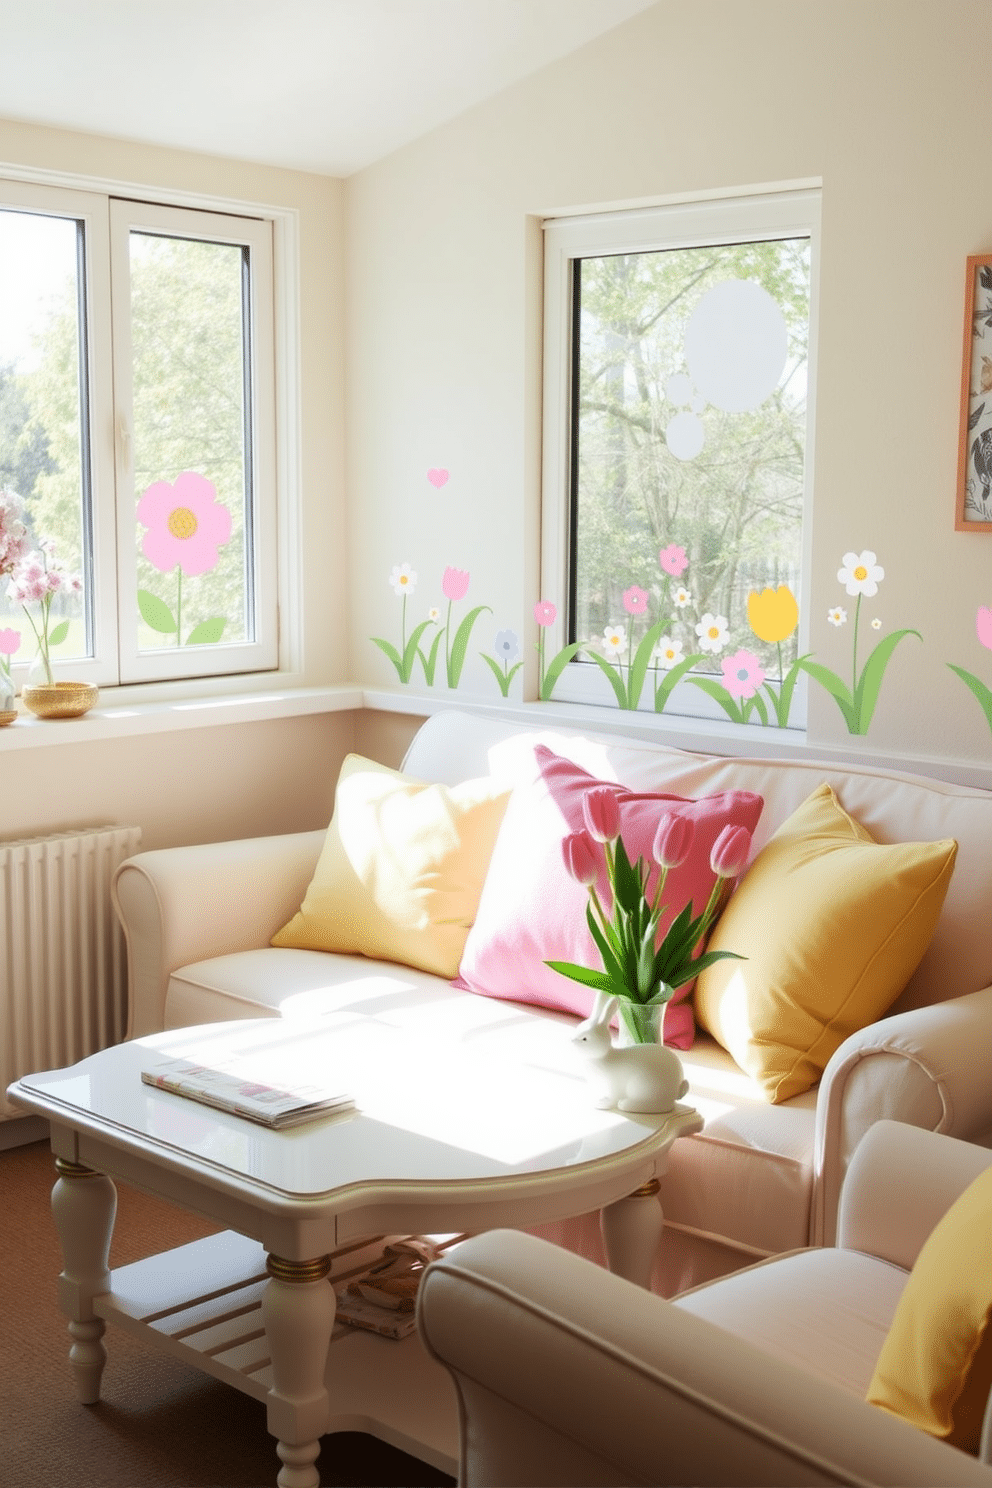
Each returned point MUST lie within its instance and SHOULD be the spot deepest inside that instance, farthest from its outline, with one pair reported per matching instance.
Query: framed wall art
(973, 512)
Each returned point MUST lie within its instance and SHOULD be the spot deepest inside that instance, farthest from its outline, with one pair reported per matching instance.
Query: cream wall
(228, 781)
(885, 101)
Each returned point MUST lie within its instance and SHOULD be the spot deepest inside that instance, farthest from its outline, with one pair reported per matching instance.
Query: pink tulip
(983, 624)
(455, 583)
(10, 641)
(730, 852)
(601, 810)
(545, 612)
(673, 840)
(580, 858)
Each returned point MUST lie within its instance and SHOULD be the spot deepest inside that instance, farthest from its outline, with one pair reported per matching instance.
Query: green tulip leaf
(459, 645)
(642, 658)
(390, 650)
(978, 687)
(616, 680)
(59, 634)
(555, 668)
(870, 681)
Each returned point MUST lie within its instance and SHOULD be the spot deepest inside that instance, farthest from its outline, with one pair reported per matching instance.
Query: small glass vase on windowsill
(46, 696)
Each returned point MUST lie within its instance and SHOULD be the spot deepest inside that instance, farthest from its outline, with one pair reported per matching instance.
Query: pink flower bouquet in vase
(639, 969)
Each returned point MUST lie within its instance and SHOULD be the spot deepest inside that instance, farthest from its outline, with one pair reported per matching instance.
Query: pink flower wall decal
(545, 612)
(743, 674)
(437, 478)
(983, 626)
(635, 600)
(186, 524)
(673, 560)
(455, 583)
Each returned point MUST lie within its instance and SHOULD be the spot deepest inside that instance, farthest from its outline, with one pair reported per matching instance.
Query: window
(137, 431)
(678, 396)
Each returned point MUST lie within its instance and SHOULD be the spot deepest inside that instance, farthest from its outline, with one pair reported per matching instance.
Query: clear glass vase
(8, 710)
(640, 1023)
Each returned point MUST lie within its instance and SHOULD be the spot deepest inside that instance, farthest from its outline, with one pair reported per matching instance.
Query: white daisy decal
(713, 632)
(860, 573)
(682, 598)
(614, 641)
(876, 624)
(403, 578)
(668, 653)
(837, 616)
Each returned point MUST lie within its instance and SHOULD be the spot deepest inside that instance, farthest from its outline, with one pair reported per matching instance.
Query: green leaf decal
(390, 650)
(429, 662)
(208, 632)
(555, 668)
(459, 645)
(978, 687)
(837, 689)
(411, 649)
(156, 613)
(642, 657)
(720, 695)
(870, 680)
(497, 671)
(673, 677)
(59, 634)
(616, 680)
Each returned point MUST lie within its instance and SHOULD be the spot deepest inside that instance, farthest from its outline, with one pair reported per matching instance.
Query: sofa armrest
(900, 1183)
(925, 1067)
(183, 904)
(567, 1374)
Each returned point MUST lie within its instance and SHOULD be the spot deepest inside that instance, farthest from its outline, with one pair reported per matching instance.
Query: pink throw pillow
(531, 910)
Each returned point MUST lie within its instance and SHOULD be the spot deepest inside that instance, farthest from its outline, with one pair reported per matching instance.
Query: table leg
(298, 1308)
(632, 1230)
(84, 1205)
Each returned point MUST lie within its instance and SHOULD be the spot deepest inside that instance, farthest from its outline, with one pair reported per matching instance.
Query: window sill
(120, 720)
(697, 736)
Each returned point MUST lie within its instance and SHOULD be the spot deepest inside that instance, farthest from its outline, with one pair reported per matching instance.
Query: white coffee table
(451, 1135)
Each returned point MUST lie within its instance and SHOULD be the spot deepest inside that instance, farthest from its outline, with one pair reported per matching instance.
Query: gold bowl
(59, 699)
(7, 715)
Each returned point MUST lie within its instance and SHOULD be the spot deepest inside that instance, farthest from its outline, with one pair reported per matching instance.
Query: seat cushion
(827, 1310)
(285, 982)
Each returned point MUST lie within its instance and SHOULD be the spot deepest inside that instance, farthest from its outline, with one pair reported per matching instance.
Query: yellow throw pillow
(833, 925)
(401, 870)
(935, 1368)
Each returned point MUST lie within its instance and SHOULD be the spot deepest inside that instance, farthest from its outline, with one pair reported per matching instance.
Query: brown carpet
(159, 1423)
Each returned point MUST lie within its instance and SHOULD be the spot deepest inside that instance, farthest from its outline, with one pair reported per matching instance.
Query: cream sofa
(757, 1378)
(759, 1179)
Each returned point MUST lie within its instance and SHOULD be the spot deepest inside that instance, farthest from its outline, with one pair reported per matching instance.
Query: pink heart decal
(437, 478)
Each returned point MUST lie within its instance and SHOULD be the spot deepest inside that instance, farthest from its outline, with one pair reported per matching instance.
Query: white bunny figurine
(642, 1077)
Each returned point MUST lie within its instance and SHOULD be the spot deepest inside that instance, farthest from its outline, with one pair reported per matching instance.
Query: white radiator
(63, 973)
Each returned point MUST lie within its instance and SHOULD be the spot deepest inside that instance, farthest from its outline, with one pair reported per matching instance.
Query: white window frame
(793, 212)
(106, 207)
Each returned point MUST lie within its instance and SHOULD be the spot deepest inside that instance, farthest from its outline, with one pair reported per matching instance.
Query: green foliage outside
(736, 508)
(188, 361)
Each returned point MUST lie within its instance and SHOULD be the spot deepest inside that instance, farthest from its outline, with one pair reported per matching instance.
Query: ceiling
(318, 85)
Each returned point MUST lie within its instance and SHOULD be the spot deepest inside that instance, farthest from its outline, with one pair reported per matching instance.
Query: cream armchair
(567, 1375)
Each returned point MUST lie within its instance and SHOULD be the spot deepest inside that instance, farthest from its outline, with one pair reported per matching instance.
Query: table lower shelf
(387, 1387)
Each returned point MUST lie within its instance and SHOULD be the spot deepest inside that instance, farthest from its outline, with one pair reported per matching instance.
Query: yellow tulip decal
(773, 614)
